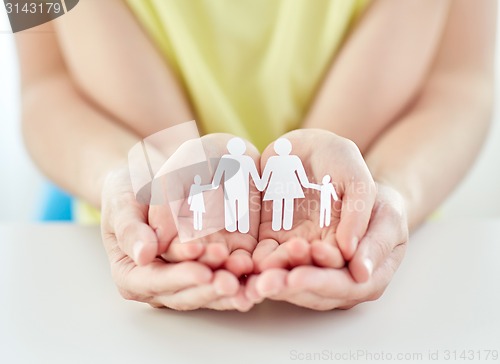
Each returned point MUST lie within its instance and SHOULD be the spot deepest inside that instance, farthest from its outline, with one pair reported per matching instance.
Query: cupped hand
(322, 153)
(370, 270)
(133, 250)
(173, 221)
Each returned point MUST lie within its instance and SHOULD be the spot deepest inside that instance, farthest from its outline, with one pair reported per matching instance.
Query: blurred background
(22, 187)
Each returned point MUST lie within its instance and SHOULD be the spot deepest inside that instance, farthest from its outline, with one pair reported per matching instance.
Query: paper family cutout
(283, 180)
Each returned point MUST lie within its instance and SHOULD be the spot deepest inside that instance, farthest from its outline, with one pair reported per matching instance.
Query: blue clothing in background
(57, 205)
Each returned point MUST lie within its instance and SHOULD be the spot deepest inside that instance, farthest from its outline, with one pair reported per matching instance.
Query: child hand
(212, 245)
(322, 153)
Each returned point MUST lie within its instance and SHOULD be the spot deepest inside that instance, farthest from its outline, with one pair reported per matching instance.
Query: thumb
(357, 205)
(387, 230)
(135, 237)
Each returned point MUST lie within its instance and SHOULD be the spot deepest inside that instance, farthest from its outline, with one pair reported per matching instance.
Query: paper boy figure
(327, 191)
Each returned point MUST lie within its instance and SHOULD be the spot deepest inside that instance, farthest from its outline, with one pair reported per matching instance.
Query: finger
(223, 284)
(263, 249)
(309, 300)
(238, 302)
(159, 278)
(271, 283)
(339, 283)
(242, 241)
(251, 290)
(239, 262)
(357, 205)
(387, 229)
(291, 253)
(324, 282)
(241, 302)
(215, 254)
(136, 238)
(179, 252)
(326, 254)
(295, 287)
(161, 220)
(274, 284)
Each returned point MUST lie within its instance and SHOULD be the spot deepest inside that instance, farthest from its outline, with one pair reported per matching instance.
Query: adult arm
(438, 139)
(429, 116)
(79, 121)
(431, 110)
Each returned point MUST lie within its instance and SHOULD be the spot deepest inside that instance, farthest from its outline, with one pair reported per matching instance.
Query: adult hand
(370, 270)
(132, 247)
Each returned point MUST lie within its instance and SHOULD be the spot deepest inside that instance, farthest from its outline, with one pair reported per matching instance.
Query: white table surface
(58, 304)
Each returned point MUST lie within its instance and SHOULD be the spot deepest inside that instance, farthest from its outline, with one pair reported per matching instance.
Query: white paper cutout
(236, 185)
(196, 202)
(284, 176)
(283, 180)
(327, 192)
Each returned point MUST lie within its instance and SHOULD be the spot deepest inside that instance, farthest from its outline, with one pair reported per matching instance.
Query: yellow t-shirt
(250, 67)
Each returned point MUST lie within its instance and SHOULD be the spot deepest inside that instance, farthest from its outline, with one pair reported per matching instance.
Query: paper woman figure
(285, 174)
(197, 202)
(327, 192)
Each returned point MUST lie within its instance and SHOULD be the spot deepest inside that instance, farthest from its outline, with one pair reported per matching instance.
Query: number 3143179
(33, 8)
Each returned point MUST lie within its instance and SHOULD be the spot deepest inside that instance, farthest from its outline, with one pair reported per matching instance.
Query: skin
(423, 71)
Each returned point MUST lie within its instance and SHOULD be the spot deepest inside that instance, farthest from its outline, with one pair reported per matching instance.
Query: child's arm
(206, 187)
(218, 174)
(334, 193)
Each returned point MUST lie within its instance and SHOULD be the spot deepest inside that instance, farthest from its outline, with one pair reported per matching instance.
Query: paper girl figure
(327, 191)
(196, 201)
(285, 174)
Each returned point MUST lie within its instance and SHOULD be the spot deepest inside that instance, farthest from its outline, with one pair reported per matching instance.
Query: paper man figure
(327, 191)
(284, 187)
(236, 185)
(197, 202)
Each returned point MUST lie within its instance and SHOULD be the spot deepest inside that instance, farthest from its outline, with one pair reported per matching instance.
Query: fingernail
(138, 245)
(368, 265)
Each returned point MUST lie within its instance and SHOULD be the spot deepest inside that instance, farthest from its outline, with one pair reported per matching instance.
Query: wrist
(398, 195)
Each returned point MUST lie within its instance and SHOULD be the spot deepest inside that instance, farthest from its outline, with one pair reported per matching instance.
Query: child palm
(306, 242)
(192, 226)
